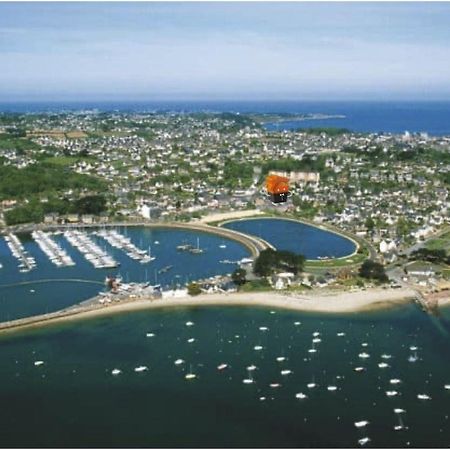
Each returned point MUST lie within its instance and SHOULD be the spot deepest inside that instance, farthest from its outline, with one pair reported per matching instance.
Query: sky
(217, 51)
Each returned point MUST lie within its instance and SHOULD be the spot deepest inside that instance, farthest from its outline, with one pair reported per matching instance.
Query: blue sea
(360, 116)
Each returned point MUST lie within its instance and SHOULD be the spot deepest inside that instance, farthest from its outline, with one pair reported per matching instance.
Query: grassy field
(440, 243)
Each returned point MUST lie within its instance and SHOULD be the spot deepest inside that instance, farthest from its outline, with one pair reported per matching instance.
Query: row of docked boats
(124, 243)
(57, 255)
(26, 262)
(91, 251)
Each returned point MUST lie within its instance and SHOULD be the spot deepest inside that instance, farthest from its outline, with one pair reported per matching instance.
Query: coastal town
(389, 192)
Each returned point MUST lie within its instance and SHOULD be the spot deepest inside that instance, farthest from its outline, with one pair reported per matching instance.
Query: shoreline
(314, 302)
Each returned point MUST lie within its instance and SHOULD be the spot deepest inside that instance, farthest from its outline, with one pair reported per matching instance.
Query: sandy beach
(324, 302)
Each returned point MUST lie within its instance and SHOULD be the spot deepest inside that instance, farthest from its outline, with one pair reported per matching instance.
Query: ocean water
(73, 400)
(362, 116)
(312, 242)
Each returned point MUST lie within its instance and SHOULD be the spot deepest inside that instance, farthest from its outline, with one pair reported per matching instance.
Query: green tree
(194, 289)
(373, 270)
(270, 261)
(239, 277)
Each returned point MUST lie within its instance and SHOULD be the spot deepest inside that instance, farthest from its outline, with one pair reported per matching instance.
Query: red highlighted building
(277, 188)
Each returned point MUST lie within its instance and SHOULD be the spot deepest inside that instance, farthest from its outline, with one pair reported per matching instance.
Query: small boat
(222, 246)
(312, 350)
(140, 369)
(263, 328)
(399, 411)
(364, 344)
(391, 393)
(395, 381)
(32, 291)
(156, 242)
(190, 340)
(274, 385)
(248, 380)
(447, 386)
(363, 441)
(423, 397)
(116, 371)
(251, 368)
(340, 334)
(150, 334)
(177, 362)
(385, 356)
(261, 399)
(383, 365)
(301, 395)
(297, 323)
(286, 372)
(361, 423)
(316, 333)
(398, 427)
(413, 348)
(331, 388)
(359, 369)
(190, 375)
(311, 385)
(222, 366)
(317, 340)
(364, 355)
(281, 358)
(189, 324)
(258, 347)
(413, 358)
(38, 363)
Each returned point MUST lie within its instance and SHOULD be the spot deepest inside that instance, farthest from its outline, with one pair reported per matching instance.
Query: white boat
(258, 347)
(413, 348)
(364, 344)
(190, 340)
(222, 246)
(363, 441)
(423, 397)
(189, 324)
(316, 334)
(395, 381)
(413, 358)
(190, 375)
(301, 395)
(391, 393)
(383, 365)
(316, 340)
(150, 334)
(274, 385)
(263, 328)
(177, 362)
(447, 386)
(248, 380)
(340, 334)
(312, 350)
(116, 371)
(399, 411)
(281, 358)
(222, 366)
(361, 423)
(331, 388)
(297, 323)
(385, 356)
(359, 369)
(251, 368)
(286, 372)
(364, 355)
(311, 385)
(261, 399)
(38, 363)
(140, 369)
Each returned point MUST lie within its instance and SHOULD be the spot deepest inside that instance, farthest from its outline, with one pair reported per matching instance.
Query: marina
(91, 251)
(26, 262)
(124, 243)
(55, 253)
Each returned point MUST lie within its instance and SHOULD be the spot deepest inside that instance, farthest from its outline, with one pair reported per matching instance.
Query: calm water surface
(297, 237)
(74, 400)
